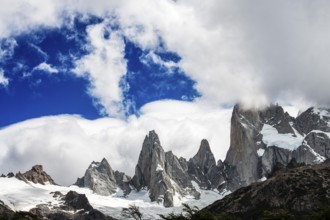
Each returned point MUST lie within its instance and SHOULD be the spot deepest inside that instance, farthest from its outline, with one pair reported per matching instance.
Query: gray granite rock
(100, 178)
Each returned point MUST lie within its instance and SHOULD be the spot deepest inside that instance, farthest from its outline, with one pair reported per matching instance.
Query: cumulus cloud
(66, 144)
(3, 80)
(104, 66)
(46, 67)
(253, 53)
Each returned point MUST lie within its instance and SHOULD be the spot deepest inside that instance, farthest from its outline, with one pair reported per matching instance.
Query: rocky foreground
(295, 193)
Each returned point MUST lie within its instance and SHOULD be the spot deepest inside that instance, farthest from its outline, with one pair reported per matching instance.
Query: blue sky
(110, 58)
(33, 92)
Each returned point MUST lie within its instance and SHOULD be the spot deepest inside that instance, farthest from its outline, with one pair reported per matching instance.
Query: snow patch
(19, 195)
(260, 152)
(321, 112)
(271, 137)
(322, 132)
(159, 168)
(318, 157)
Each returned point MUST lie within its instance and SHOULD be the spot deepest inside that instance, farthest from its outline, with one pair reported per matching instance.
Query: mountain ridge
(260, 142)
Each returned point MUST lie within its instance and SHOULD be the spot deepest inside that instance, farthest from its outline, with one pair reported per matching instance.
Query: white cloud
(152, 58)
(46, 67)
(104, 66)
(3, 80)
(67, 144)
(245, 52)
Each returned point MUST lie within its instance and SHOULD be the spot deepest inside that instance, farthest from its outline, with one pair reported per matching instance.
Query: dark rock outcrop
(296, 190)
(36, 175)
(74, 201)
(73, 206)
(10, 175)
(5, 211)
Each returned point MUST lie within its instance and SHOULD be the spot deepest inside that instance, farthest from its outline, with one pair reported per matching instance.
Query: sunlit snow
(271, 137)
(19, 195)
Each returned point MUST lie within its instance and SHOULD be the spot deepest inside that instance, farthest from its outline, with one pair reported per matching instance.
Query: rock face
(314, 119)
(124, 182)
(150, 171)
(36, 175)
(262, 138)
(203, 170)
(260, 142)
(100, 178)
(5, 211)
(296, 190)
(163, 174)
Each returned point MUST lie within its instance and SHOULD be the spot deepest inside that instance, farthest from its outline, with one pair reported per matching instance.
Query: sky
(82, 80)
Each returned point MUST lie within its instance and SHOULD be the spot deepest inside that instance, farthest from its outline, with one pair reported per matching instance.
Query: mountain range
(260, 142)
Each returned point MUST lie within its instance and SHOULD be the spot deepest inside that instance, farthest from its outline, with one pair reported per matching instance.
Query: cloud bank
(67, 144)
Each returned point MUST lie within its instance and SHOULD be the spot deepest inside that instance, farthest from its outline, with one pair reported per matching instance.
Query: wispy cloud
(46, 68)
(3, 80)
(104, 66)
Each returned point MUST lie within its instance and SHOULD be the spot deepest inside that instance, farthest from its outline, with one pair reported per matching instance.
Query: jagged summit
(260, 142)
(100, 178)
(36, 175)
(154, 172)
(204, 157)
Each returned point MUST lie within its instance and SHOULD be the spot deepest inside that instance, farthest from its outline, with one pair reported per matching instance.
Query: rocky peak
(152, 156)
(204, 157)
(36, 175)
(150, 171)
(152, 139)
(163, 174)
(275, 116)
(100, 178)
(248, 154)
(242, 156)
(314, 119)
(175, 171)
(202, 168)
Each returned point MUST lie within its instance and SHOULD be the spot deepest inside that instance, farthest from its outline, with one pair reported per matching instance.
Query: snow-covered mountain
(260, 140)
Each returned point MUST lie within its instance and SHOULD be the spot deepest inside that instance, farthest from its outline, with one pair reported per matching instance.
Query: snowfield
(271, 137)
(19, 195)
